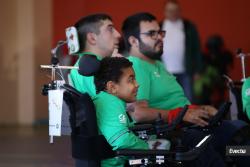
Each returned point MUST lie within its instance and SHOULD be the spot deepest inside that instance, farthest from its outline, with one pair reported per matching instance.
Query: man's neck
(141, 56)
(173, 20)
(94, 51)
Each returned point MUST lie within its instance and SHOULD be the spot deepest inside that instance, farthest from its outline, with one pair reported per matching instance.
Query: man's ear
(91, 38)
(111, 87)
(134, 42)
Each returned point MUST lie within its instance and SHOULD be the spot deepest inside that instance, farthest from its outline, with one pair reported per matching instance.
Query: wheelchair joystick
(179, 147)
(159, 120)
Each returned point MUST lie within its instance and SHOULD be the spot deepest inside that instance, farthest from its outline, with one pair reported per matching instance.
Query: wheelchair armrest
(160, 127)
(140, 127)
(142, 153)
(177, 156)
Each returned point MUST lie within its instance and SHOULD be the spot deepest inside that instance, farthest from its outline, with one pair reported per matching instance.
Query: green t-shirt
(83, 84)
(157, 86)
(114, 124)
(246, 97)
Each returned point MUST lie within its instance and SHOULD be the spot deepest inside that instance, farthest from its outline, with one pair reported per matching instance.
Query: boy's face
(126, 88)
(108, 38)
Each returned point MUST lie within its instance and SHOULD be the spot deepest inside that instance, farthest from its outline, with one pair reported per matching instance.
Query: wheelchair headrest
(88, 65)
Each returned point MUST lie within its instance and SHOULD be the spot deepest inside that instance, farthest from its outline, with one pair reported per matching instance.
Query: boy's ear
(111, 87)
(133, 41)
(91, 38)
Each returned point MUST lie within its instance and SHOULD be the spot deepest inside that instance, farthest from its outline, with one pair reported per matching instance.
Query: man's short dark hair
(131, 26)
(110, 70)
(91, 23)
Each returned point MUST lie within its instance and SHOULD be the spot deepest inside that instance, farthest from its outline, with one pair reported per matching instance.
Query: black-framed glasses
(154, 34)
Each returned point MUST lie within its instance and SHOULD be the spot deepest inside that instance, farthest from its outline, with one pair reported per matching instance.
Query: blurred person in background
(181, 52)
(211, 87)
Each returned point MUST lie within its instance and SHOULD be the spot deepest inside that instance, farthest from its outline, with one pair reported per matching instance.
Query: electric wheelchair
(89, 147)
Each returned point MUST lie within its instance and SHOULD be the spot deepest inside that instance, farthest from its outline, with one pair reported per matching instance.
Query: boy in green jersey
(116, 85)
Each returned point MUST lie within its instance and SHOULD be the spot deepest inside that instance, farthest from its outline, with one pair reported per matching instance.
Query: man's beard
(149, 51)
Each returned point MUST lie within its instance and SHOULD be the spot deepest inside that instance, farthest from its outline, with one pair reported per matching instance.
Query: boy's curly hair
(110, 70)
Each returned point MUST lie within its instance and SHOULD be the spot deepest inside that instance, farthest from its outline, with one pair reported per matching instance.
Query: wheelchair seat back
(236, 99)
(87, 144)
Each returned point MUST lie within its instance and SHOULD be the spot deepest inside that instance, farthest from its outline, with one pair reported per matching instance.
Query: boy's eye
(131, 79)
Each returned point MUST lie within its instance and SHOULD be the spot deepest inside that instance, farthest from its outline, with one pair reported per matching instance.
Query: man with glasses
(154, 34)
(159, 92)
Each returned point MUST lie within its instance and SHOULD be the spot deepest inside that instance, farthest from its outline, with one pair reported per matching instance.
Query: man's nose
(117, 34)
(159, 37)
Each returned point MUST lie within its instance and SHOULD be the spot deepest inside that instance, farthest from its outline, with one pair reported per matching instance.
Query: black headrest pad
(88, 65)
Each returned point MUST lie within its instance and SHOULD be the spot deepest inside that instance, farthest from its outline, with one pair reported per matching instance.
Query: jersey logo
(122, 118)
(248, 92)
(157, 74)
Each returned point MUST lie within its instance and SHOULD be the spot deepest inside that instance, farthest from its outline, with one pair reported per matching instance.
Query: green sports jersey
(246, 97)
(83, 84)
(157, 86)
(114, 124)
